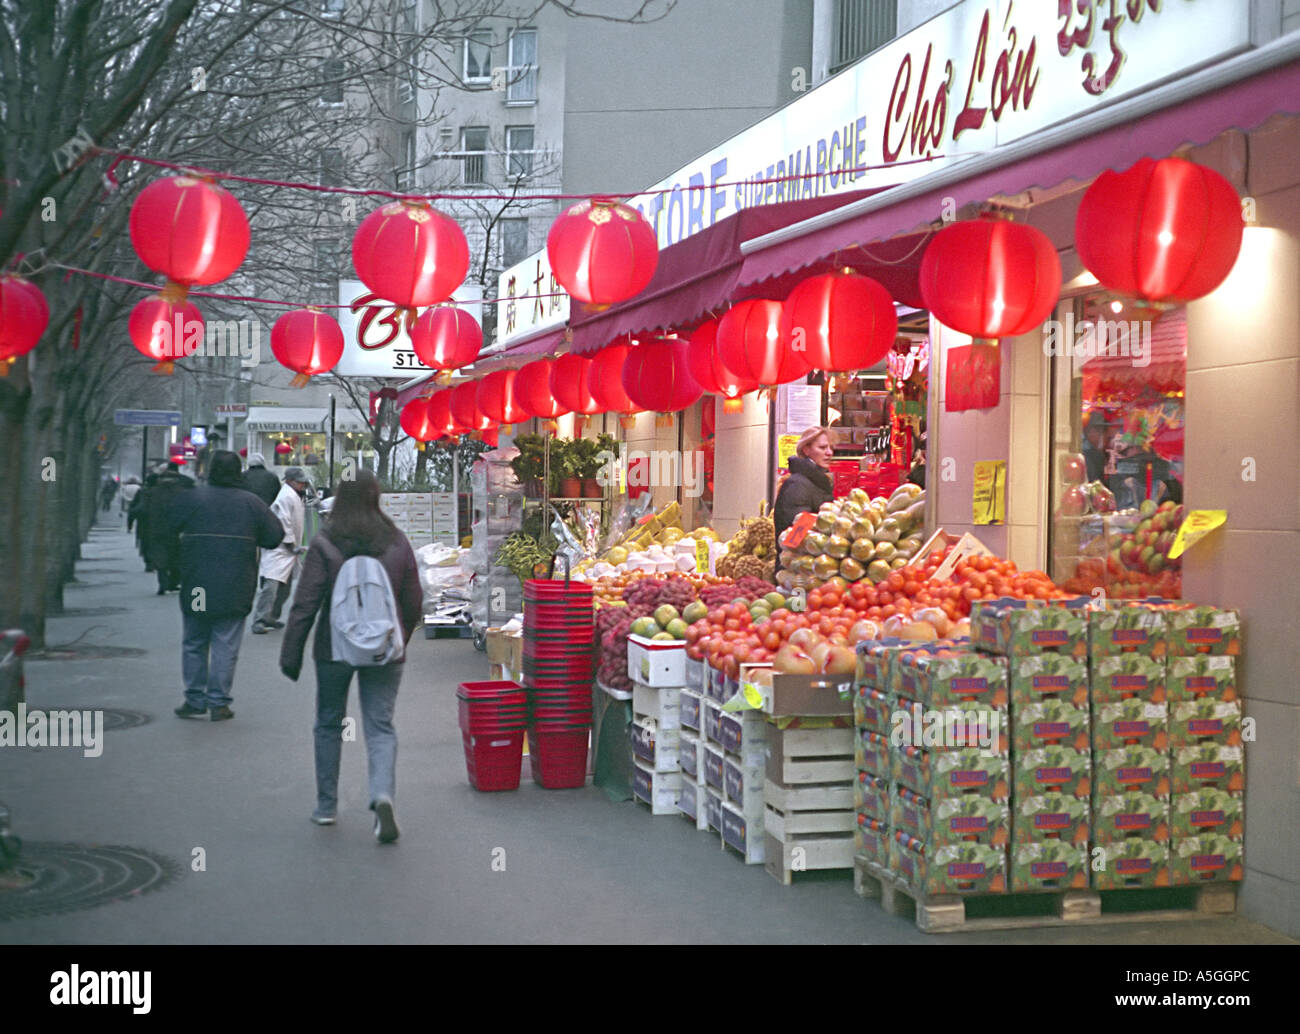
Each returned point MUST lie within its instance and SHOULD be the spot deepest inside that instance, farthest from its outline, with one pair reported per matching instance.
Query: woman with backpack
(361, 577)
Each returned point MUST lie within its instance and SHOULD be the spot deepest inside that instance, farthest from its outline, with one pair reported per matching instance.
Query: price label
(798, 531)
(702, 556)
(1198, 524)
(990, 492)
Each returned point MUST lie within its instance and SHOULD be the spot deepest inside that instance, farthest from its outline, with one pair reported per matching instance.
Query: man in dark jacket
(809, 484)
(135, 515)
(220, 526)
(161, 547)
(260, 481)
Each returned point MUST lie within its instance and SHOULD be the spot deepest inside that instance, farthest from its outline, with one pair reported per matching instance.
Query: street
(228, 804)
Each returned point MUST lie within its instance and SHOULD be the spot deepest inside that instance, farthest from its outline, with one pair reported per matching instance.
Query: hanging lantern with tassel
(844, 320)
(165, 329)
(24, 315)
(657, 376)
(308, 342)
(190, 230)
(602, 251)
(533, 389)
(750, 342)
(441, 416)
(445, 338)
(569, 386)
(708, 369)
(605, 381)
(417, 421)
(498, 401)
(464, 409)
(410, 254)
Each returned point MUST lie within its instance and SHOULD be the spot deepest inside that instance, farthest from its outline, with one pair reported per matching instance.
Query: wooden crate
(800, 853)
(948, 913)
(802, 756)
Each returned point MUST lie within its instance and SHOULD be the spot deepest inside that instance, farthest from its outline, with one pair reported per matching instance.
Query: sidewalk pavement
(578, 868)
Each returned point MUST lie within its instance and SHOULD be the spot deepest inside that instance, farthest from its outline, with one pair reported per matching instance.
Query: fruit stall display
(1124, 552)
(751, 552)
(657, 544)
(854, 539)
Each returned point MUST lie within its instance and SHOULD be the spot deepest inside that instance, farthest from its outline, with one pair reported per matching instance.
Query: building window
(406, 170)
(333, 8)
(521, 84)
(519, 151)
(331, 167)
(859, 27)
(478, 57)
(327, 271)
(332, 72)
(514, 241)
(473, 144)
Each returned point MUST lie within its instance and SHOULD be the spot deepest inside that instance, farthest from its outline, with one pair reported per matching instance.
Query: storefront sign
(1198, 524)
(232, 409)
(979, 76)
(521, 308)
(990, 496)
(147, 417)
(375, 342)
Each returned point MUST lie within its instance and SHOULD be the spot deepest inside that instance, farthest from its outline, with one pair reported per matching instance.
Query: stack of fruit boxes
(656, 728)
(1207, 821)
(1045, 648)
(950, 771)
(873, 706)
(742, 735)
(691, 799)
(1130, 745)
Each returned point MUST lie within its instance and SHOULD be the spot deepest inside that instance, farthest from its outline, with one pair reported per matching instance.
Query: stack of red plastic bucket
(558, 629)
(493, 717)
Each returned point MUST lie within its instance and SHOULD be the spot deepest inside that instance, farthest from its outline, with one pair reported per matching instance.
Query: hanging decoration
(750, 342)
(165, 329)
(441, 416)
(410, 254)
(972, 378)
(24, 315)
(602, 251)
(307, 342)
(498, 401)
(283, 448)
(533, 387)
(464, 408)
(712, 375)
(1164, 232)
(845, 321)
(569, 386)
(605, 381)
(656, 375)
(445, 338)
(190, 230)
(417, 421)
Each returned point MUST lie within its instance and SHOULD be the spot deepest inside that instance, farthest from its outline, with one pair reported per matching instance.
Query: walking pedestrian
(106, 492)
(136, 515)
(162, 547)
(356, 528)
(260, 481)
(129, 491)
(278, 565)
(220, 527)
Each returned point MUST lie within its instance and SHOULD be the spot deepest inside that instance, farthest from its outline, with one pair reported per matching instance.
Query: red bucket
(559, 757)
(494, 761)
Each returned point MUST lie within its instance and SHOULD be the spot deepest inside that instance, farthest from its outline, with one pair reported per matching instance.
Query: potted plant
(566, 465)
(596, 456)
(529, 464)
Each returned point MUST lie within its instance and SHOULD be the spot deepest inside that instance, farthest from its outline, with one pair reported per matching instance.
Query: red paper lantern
(441, 416)
(1164, 231)
(307, 342)
(605, 380)
(845, 321)
(165, 330)
(657, 375)
(417, 421)
(189, 229)
(708, 369)
(497, 399)
(283, 448)
(750, 342)
(602, 251)
(24, 315)
(464, 407)
(533, 389)
(569, 384)
(446, 338)
(410, 254)
(990, 278)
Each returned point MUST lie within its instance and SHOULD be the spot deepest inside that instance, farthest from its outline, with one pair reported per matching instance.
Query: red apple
(1074, 469)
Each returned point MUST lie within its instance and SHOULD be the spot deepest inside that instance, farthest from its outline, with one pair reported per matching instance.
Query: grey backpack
(365, 630)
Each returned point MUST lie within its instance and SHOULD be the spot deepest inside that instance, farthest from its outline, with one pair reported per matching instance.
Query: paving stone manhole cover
(84, 652)
(88, 612)
(114, 717)
(92, 585)
(71, 877)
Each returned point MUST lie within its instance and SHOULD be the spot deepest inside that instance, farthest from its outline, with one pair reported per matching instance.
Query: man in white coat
(278, 565)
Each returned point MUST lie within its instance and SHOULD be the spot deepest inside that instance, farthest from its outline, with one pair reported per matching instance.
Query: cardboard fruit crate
(1209, 858)
(1205, 720)
(954, 820)
(1051, 816)
(1132, 862)
(1201, 676)
(1199, 629)
(660, 790)
(1120, 816)
(1038, 677)
(1130, 722)
(1124, 770)
(1015, 627)
(1051, 723)
(871, 795)
(1053, 770)
(1207, 811)
(950, 869)
(1119, 676)
(1125, 627)
(950, 677)
(1208, 766)
(952, 773)
(1048, 865)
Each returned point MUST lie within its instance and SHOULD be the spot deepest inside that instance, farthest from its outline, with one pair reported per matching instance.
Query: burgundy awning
(1243, 105)
(695, 276)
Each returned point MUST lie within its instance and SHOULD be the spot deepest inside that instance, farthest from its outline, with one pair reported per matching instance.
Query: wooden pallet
(948, 913)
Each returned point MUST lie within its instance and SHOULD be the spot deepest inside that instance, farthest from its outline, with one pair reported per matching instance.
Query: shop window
(859, 27)
(1117, 456)
(519, 151)
(478, 57)
(521, 83)
(473, 145)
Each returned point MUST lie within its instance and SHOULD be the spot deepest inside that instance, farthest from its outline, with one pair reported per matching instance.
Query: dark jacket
(807, 487)
(316, 584)
(159, 538)
(220, 529)
(262, 483)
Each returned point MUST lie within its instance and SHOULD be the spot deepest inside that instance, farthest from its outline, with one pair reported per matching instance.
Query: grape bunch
(612, 667)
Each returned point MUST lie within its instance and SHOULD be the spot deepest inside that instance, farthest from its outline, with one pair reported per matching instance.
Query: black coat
(160, 543)
(220, 529)
(262, 483)
(807, 487)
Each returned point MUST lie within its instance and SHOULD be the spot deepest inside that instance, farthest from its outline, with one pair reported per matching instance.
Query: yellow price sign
(753, 695)
(785, 448)
(702, 556)
(990, 495)
(1198, 524)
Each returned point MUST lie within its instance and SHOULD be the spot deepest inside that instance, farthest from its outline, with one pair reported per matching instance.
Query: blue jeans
(378, 690)
(209, 650)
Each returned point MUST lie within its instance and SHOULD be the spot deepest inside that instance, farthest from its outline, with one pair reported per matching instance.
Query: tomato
(858, 591)
(874, 612)
(884, 598)
(741, 653)
(780, 614)
(772, 641)
(815, 600)
(732, 624)
(887, 611)
(970, 594)
(911, 587)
